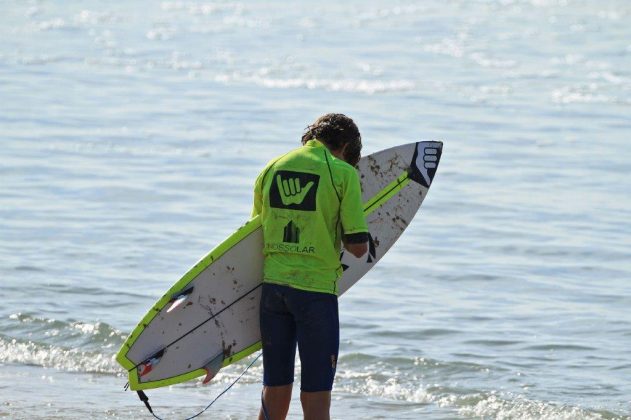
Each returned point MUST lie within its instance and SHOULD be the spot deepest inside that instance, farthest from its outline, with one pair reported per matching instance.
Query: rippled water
(131, 133)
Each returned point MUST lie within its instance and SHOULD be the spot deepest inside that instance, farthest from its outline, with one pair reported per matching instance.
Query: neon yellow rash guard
(307, 199)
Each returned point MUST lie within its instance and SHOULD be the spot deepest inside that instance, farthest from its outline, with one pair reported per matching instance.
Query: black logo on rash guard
(294, 190)
(291, 233)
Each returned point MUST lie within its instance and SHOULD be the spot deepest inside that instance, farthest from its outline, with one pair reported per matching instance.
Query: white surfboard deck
(210, 317)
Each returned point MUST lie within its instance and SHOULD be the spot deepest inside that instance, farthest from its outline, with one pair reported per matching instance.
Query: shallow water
(132, 132)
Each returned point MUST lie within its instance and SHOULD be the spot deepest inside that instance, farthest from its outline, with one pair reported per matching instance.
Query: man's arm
(353, 220)
(258, 204)
(258, 196)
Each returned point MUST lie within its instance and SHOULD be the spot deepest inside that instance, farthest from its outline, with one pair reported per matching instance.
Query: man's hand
(358, 250)
(290, 190)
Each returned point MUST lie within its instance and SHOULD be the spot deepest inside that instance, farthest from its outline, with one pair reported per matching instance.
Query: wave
(83, 347)
(507, 406)
(409, 380)
(75, 346)
(72, 346)
(30, 353)
(580, 94)
(347, 85)
(365, 86)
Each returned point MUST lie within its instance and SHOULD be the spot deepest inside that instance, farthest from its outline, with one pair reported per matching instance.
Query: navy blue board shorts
(291, 316)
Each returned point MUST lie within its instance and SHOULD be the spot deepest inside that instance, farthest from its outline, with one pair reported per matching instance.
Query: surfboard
(209, 319)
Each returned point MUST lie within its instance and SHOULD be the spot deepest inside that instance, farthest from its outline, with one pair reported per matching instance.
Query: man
(309, 201)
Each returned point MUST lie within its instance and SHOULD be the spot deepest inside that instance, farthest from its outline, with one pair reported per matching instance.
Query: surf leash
(143, 397)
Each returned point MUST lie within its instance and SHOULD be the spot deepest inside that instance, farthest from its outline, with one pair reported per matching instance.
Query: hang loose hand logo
(294, 190)
(290, 190)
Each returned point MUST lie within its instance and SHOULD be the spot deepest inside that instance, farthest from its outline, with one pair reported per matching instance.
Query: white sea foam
(485, 61)
(57, 357)
(411, 381)
(71, 346)
(332, 85)
(201, 8)
(180, 62)
(391, 389)
(609, 77)
(161, 32)
(453, 47)
(517, 407)
(385, 13)
(38, 60)
(90, 17)
(336, 85)
(583, 94)
(52, 24)
(493, 404)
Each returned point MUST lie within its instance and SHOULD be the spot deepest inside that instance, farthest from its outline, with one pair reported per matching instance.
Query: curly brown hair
(336, 131)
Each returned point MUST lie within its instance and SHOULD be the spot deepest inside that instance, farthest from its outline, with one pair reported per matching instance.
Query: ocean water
(131, 133)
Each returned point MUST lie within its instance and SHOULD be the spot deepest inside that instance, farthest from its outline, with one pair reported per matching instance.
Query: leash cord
(145, 400)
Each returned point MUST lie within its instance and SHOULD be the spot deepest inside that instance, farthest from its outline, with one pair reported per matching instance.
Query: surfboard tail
(147, 366)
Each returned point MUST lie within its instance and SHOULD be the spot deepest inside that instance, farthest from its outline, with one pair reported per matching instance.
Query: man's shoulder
(287, 156)
(275, 160)
(343, 168)
(297, 156)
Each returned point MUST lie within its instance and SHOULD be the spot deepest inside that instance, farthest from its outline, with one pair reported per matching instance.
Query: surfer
(309, 201)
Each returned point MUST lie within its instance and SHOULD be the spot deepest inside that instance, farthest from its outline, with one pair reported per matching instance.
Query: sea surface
(131, 133)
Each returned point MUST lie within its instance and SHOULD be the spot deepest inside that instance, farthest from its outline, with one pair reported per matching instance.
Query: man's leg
(318, 335)
(278, 336)
(276, 401)
(316, 405)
